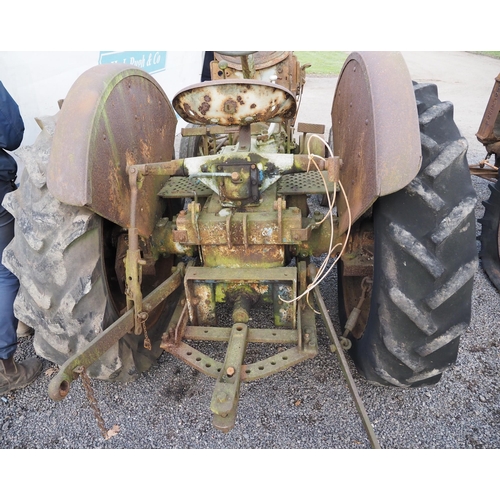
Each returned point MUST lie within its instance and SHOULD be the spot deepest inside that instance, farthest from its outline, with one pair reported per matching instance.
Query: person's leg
(12, 375)
(9, 285)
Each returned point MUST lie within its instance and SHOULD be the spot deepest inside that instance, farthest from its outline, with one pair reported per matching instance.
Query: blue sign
(148, 60)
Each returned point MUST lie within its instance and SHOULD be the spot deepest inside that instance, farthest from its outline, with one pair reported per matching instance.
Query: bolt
(230, 371)
(235, 176)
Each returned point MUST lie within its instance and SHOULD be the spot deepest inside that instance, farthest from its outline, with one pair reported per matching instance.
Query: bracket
(233, 371)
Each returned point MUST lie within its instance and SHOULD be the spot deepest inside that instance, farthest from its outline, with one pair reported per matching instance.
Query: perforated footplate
(290, 184)
(184, 187)
(305, 183)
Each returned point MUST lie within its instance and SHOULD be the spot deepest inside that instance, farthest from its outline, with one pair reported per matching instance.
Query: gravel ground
(305, 407)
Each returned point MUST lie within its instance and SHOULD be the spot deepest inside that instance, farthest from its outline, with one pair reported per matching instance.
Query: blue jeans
(9, 283)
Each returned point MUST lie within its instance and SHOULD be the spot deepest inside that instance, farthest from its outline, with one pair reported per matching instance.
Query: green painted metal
(59, 385)
(114, 116)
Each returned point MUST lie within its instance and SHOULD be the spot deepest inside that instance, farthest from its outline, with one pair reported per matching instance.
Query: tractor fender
(375, 130)
(114, 115)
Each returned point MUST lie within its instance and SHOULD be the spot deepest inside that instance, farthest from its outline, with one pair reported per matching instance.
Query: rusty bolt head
(235, 176)
(230, 371)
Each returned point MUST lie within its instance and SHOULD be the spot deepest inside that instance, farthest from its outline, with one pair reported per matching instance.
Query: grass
(494, 54)
(322, 62)
(330, 63)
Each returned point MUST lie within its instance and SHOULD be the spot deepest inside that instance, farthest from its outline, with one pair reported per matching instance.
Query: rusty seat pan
(234, 102)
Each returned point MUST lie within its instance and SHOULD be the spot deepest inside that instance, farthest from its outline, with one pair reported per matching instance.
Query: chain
(143, 317)
(92, 400)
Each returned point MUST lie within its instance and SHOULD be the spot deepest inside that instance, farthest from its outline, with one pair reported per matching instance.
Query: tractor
(489, 135)
(127, 246)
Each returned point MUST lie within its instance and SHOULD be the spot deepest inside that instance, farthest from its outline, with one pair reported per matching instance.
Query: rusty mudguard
(114, 115)
(375, 130)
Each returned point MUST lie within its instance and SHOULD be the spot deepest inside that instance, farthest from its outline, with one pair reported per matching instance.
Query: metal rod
(59, 385)
(345, 368)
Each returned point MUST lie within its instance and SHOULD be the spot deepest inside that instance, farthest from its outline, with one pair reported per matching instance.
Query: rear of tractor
(489, 135)
(124, 251)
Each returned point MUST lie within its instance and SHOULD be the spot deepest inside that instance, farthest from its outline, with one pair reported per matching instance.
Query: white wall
(37, 80)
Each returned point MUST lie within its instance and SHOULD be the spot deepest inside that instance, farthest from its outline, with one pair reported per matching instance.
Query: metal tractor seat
(235, 102)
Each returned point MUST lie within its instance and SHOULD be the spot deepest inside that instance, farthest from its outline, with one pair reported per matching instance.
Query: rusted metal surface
(234, 102)
(375, 129)
(260, 335)
(205, 286)
(114, 115)
(233, 370)
(489, 129)
(60, 384)
(356, 265)
(485, 170)
(489, 135)
(229, 230)
(133, 261)
(226, 393)
(262, 59)
(281, 67)
(263, 256)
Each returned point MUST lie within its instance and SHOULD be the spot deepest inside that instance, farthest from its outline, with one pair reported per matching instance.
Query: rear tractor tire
(424, 261)
(64, 257)
(490, 235)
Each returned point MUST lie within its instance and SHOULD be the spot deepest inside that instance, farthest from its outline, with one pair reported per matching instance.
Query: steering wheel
(237, 54)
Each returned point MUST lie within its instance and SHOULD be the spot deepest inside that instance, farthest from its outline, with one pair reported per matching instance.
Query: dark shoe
(18, 375)
(24, 330)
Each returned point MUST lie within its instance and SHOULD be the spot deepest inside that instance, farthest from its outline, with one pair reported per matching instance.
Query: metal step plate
(184, 187)
(305, 183)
